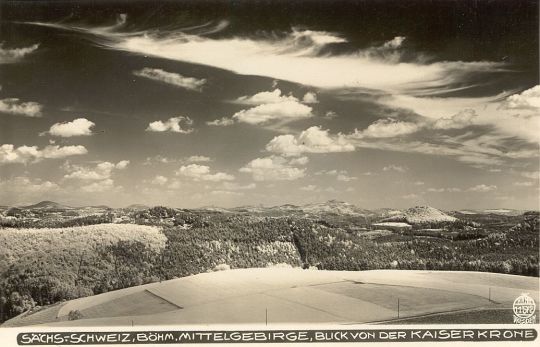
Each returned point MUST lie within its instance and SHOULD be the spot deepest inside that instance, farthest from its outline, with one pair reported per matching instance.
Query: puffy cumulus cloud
(25, 185)
(310, 98)
(312, 140)
(524, 184)
(309, 188)
(175, 124)
(172, 78)
(12, 55)
(527, 100)
(396, 168)
(236, 186)
(341, 175)
(159, 180)
(272, 97)
(121, 165)
(535, 175)
(28, 154)
(316, 189)
(299, 161)
(327, 172)
(159, 159)
(198, 159)
(281, 111)
(223, 122)
(482, 188)
(395, 43)
(226, 193)
(101, 171)
(267, 107)
(410, 196)
(344, 177)
(202, 173)
(330, 115)
(16, 107)
(384, 128)
(23, 189)
(106, 185)
(443, 190)
(460, 120)
(77, 127)
(57, 152)
(273, 168)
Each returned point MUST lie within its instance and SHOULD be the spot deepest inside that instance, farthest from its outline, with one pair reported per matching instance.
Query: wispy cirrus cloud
(296, 56)
(171, 78)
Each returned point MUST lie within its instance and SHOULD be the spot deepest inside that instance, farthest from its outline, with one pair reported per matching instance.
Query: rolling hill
(421, 214)
(46, 205)
(292, 295)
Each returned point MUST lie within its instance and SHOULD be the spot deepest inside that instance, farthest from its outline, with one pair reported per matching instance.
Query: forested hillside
(43, 266)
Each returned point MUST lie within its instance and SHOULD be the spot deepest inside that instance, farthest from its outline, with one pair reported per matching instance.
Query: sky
(230, 103)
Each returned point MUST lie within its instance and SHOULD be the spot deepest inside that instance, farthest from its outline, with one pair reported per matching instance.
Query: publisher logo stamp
(524, 308)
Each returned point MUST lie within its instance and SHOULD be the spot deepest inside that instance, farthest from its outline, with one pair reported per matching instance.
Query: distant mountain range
(329, 207)
(413, 215)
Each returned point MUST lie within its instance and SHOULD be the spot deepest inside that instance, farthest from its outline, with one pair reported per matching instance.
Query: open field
(96, 257)
(284, 295)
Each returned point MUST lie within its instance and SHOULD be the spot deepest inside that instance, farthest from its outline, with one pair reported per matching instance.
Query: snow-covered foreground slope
(286, 295)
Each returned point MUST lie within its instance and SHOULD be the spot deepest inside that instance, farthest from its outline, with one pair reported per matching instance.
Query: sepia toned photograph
(269, 163)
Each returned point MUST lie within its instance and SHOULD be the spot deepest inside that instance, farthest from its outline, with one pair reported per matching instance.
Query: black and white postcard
(273, 171)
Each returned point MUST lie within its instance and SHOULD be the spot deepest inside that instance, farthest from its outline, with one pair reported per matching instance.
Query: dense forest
(89, 255)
